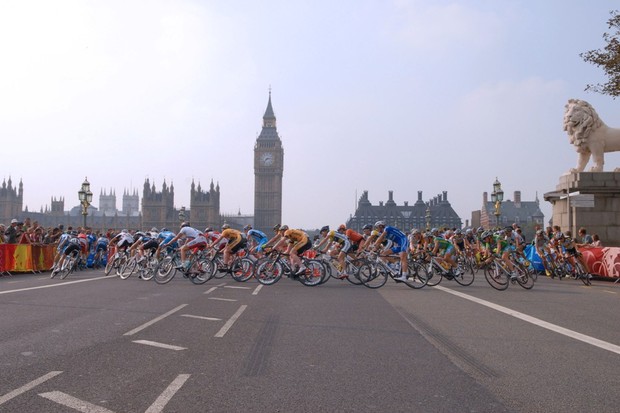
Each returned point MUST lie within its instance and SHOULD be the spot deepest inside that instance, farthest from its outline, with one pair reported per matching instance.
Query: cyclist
(62, 244)
(299, 242)
(400, 246)
(194, 239)
(72, 244)
(164, 237)
(256, 238)
(123, 240)
(541, 244)
(566, 241)
(340, 242)
(442, 249)
(101, 246)
(236, 240)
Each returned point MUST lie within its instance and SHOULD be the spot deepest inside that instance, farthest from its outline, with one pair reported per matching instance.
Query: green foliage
(608, 59)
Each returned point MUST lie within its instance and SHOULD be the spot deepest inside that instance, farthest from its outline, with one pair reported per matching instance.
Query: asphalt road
(101, 344)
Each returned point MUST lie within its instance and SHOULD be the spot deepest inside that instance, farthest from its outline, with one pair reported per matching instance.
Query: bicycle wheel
(204, 271)
(313, 274)
(166, 271)
(127, 268)
(371, 275)
(328, 271)
(268, 272)
(352, 270)
(496, 276)
(120, 264)
(219, 267)
(242, 269)
(466, 276)
(523, 277)
(582, 273)
(433, 275)
(147, 271)
(418, 276)
(109, 265)
(68, 266)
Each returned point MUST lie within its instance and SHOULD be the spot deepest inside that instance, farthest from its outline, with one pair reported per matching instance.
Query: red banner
(26, 257)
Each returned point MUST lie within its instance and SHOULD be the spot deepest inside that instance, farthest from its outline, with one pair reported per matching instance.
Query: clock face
(267, 159)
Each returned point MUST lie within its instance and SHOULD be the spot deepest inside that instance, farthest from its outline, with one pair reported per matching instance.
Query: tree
(607, 58)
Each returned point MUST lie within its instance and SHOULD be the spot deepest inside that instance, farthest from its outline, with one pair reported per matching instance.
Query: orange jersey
(231, 234)
(296, 235)
(354, 236)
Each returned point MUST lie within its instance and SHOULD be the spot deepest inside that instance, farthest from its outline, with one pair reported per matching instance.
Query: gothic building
(268, 171)
(436, 212)
(11, 200)
(131, 203)
(526, 214)
(158, 207)
(205, 206)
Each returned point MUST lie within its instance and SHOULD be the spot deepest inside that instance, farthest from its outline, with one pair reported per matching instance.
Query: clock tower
(268, 168)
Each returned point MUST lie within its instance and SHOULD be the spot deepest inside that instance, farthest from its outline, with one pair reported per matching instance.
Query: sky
(376, 95)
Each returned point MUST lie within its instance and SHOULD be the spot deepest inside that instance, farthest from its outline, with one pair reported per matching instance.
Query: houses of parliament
(155, 207)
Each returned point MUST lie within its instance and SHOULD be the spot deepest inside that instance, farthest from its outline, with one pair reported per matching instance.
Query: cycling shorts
(102, 246)
(71, 247)
(150, 245)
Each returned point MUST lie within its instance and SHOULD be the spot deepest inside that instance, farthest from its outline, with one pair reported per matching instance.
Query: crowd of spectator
(28, 232)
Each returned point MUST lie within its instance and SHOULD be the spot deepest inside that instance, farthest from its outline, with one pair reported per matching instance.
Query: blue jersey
(257, 235)
(401, 243)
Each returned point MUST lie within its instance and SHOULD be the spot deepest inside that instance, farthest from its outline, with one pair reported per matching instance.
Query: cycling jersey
(259, 238)
(399, 239)
(445, 246)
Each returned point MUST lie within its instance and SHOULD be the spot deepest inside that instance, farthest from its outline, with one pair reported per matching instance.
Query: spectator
(596, 241)
(13, 233)
(584, 240)
(2, 238)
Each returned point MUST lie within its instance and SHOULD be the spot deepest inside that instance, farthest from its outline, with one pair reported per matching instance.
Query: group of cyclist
(390, 242)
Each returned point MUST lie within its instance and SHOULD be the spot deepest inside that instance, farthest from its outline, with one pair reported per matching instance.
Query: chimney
(445, 196)
(390, 196)
(517, 199)
(419, 195)
(485, 198)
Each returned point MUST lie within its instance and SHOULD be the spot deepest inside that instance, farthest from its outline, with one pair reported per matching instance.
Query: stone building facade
(436, 212)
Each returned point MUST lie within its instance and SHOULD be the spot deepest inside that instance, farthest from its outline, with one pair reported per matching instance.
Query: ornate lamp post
(85, 197)
(497, 196)
(182, 214)
(428, 217)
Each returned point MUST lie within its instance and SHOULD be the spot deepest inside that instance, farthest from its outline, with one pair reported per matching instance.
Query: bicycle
(199, 271)
(374, 272)
(69, 265)
(499, 277)
(349, 273)
(576, 270)
(116, 262)
(436, 271)
(270, 269)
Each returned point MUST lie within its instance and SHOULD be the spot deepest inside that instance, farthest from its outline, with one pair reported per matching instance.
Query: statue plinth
(594, 204)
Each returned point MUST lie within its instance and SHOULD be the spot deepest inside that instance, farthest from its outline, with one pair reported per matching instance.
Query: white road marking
(237, 287)
(164, 398)
(201, 317)
(160, 345)
(222, 299)
(28, 386)
(74, 403)
(56, 285)
(210, 290)
(257, 289)
(231, 321)
(536, 321)
(153, 321)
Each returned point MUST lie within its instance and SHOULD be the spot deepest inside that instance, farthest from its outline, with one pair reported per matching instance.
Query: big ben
(268, 169)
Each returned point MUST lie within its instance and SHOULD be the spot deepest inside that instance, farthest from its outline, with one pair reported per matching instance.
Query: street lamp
(85, 197)
(182, 214)
(497, 196)
(428, 217)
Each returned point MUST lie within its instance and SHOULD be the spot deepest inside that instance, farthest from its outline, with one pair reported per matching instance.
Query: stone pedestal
(602, 217)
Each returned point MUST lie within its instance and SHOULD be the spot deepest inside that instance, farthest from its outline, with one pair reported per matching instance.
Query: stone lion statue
(589, 134)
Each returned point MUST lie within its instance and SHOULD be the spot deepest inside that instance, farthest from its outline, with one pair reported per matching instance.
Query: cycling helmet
(480, 230)
(559, 235)
(325, 228)
(73, 232)
(225, 226)
(374, 233)
(486, 234)
(342, 227)
(184, 224)
(139, 234)
(247, 227)
(283, 227)
(540, 232)
(276, 227)
(428, 235)
(154, 229)
(380, 224)
(208, 229)
(469, 231)
(123, 231)
(458, 232)
(367, 226)
(415, 231)
(508, 229)
(164, 230)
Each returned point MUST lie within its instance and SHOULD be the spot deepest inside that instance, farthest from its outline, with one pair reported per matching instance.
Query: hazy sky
(373, 95)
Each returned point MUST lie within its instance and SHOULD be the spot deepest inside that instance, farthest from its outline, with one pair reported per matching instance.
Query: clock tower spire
(268, 171)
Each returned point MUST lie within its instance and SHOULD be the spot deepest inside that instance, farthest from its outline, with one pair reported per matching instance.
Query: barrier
(26, 257)
(604, 262)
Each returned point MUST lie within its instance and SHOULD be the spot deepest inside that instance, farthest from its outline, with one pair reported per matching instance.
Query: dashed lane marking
(160, 345)
(210, 290)
(222, 299)
(28, 386)
(164, 398)
(230, 322)
(74, 403)
(153, 321)
(257, 289)
(201, 317)
(57, 285)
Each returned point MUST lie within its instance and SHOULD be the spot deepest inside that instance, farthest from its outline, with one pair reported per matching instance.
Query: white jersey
(190, 232)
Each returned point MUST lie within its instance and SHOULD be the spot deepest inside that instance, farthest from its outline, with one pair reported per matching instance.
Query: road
(100, 344)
